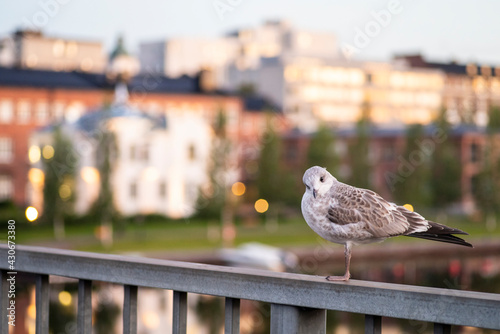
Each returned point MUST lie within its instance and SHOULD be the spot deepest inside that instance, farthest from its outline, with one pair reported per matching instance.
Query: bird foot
(338, 278)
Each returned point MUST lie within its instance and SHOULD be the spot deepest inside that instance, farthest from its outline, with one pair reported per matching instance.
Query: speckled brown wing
(350, 205)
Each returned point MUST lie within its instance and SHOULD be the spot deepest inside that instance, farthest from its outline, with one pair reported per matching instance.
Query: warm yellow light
(31, 213)
(48, 152)
(36, 176)
(408, 207)
(64, 192)
(238, 188)
(65, 298)
(34, 154)
(261, 205)
(89, 174)
(151, 320)
(32, 311)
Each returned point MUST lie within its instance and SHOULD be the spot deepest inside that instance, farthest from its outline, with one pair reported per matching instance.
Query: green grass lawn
(163, 235)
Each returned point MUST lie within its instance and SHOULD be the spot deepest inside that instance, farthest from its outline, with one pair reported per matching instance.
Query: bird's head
(317, 181)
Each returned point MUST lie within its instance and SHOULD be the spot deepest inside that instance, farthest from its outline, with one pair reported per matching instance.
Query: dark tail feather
(439, 232)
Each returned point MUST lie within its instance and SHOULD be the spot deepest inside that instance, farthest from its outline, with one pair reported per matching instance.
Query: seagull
(347, 215)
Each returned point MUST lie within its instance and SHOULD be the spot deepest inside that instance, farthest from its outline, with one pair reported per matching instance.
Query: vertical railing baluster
(442, 329)
(129, 309)
(84, 321)
(42, 304)
(232, 316)
(4, 302)
(373, 324)
(299, 320)
(179, 320)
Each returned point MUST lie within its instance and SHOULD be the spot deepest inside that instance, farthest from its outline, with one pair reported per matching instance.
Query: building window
(6, 188)
(5, 150)
(6, 111)
(388, 152)
(23, 112)
(162, 190)
(191, 152)
(474, 152)
(139, 153)
(133, 190)
(42, 112)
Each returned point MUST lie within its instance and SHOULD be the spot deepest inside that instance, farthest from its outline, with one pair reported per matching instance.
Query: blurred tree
(247, 89)
(445, 166)
(494, 119)
(359, 150)
(321, 150)
(486, 184)
(103, 209)
(212, 197)
(269, 177)
(415, 187)
(59, 186)
(210, 310)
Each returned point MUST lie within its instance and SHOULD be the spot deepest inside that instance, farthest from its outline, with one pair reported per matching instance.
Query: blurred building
(34, 99)
(313, 91)
(388, 161)
(160, 163)
(470, 90)
(33, 50)
(243, 48)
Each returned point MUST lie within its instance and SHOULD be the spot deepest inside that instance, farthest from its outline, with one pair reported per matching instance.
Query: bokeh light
(31, 213)
(261, 205)
(89, 175)
(34, 154)
(48, 152)
(408, 207)
(238, 188)
(36, 176)
(65, 298)
(65, 192)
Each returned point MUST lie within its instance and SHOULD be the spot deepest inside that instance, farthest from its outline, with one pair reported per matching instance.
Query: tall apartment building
(470, 90)
(337, 92)
(244, 48)
(33, 50)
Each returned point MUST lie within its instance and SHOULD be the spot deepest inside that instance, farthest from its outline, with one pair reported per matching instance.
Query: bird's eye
(307, 187)
(322, 179)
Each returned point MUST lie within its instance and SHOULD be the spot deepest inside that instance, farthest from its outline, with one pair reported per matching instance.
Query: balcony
(298, 302)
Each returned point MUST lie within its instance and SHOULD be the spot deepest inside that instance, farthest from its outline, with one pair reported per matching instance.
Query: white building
(160, 164)
(244, 48)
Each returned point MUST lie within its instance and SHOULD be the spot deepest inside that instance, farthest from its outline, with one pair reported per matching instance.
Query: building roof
(89, 122)
(417, 60)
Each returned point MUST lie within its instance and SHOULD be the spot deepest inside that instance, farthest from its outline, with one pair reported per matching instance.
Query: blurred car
(259, 256)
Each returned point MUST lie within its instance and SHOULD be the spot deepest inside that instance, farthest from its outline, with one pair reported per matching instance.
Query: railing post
(232, 316)
(442, 329)
(129, 309)
(287, 319)
(179, 320)
(373, 324)
(4, 302)
(42, 304)
(84, 321)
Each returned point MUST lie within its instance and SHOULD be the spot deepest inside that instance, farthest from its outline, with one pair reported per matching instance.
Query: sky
(461, 30)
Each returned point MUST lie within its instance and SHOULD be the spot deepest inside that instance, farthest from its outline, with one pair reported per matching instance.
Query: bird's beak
(314, 193)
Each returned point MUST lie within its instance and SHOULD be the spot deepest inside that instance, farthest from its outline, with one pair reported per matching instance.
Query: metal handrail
(443, 306)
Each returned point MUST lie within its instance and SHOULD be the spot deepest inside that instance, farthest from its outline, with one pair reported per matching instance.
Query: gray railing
(298, 302)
